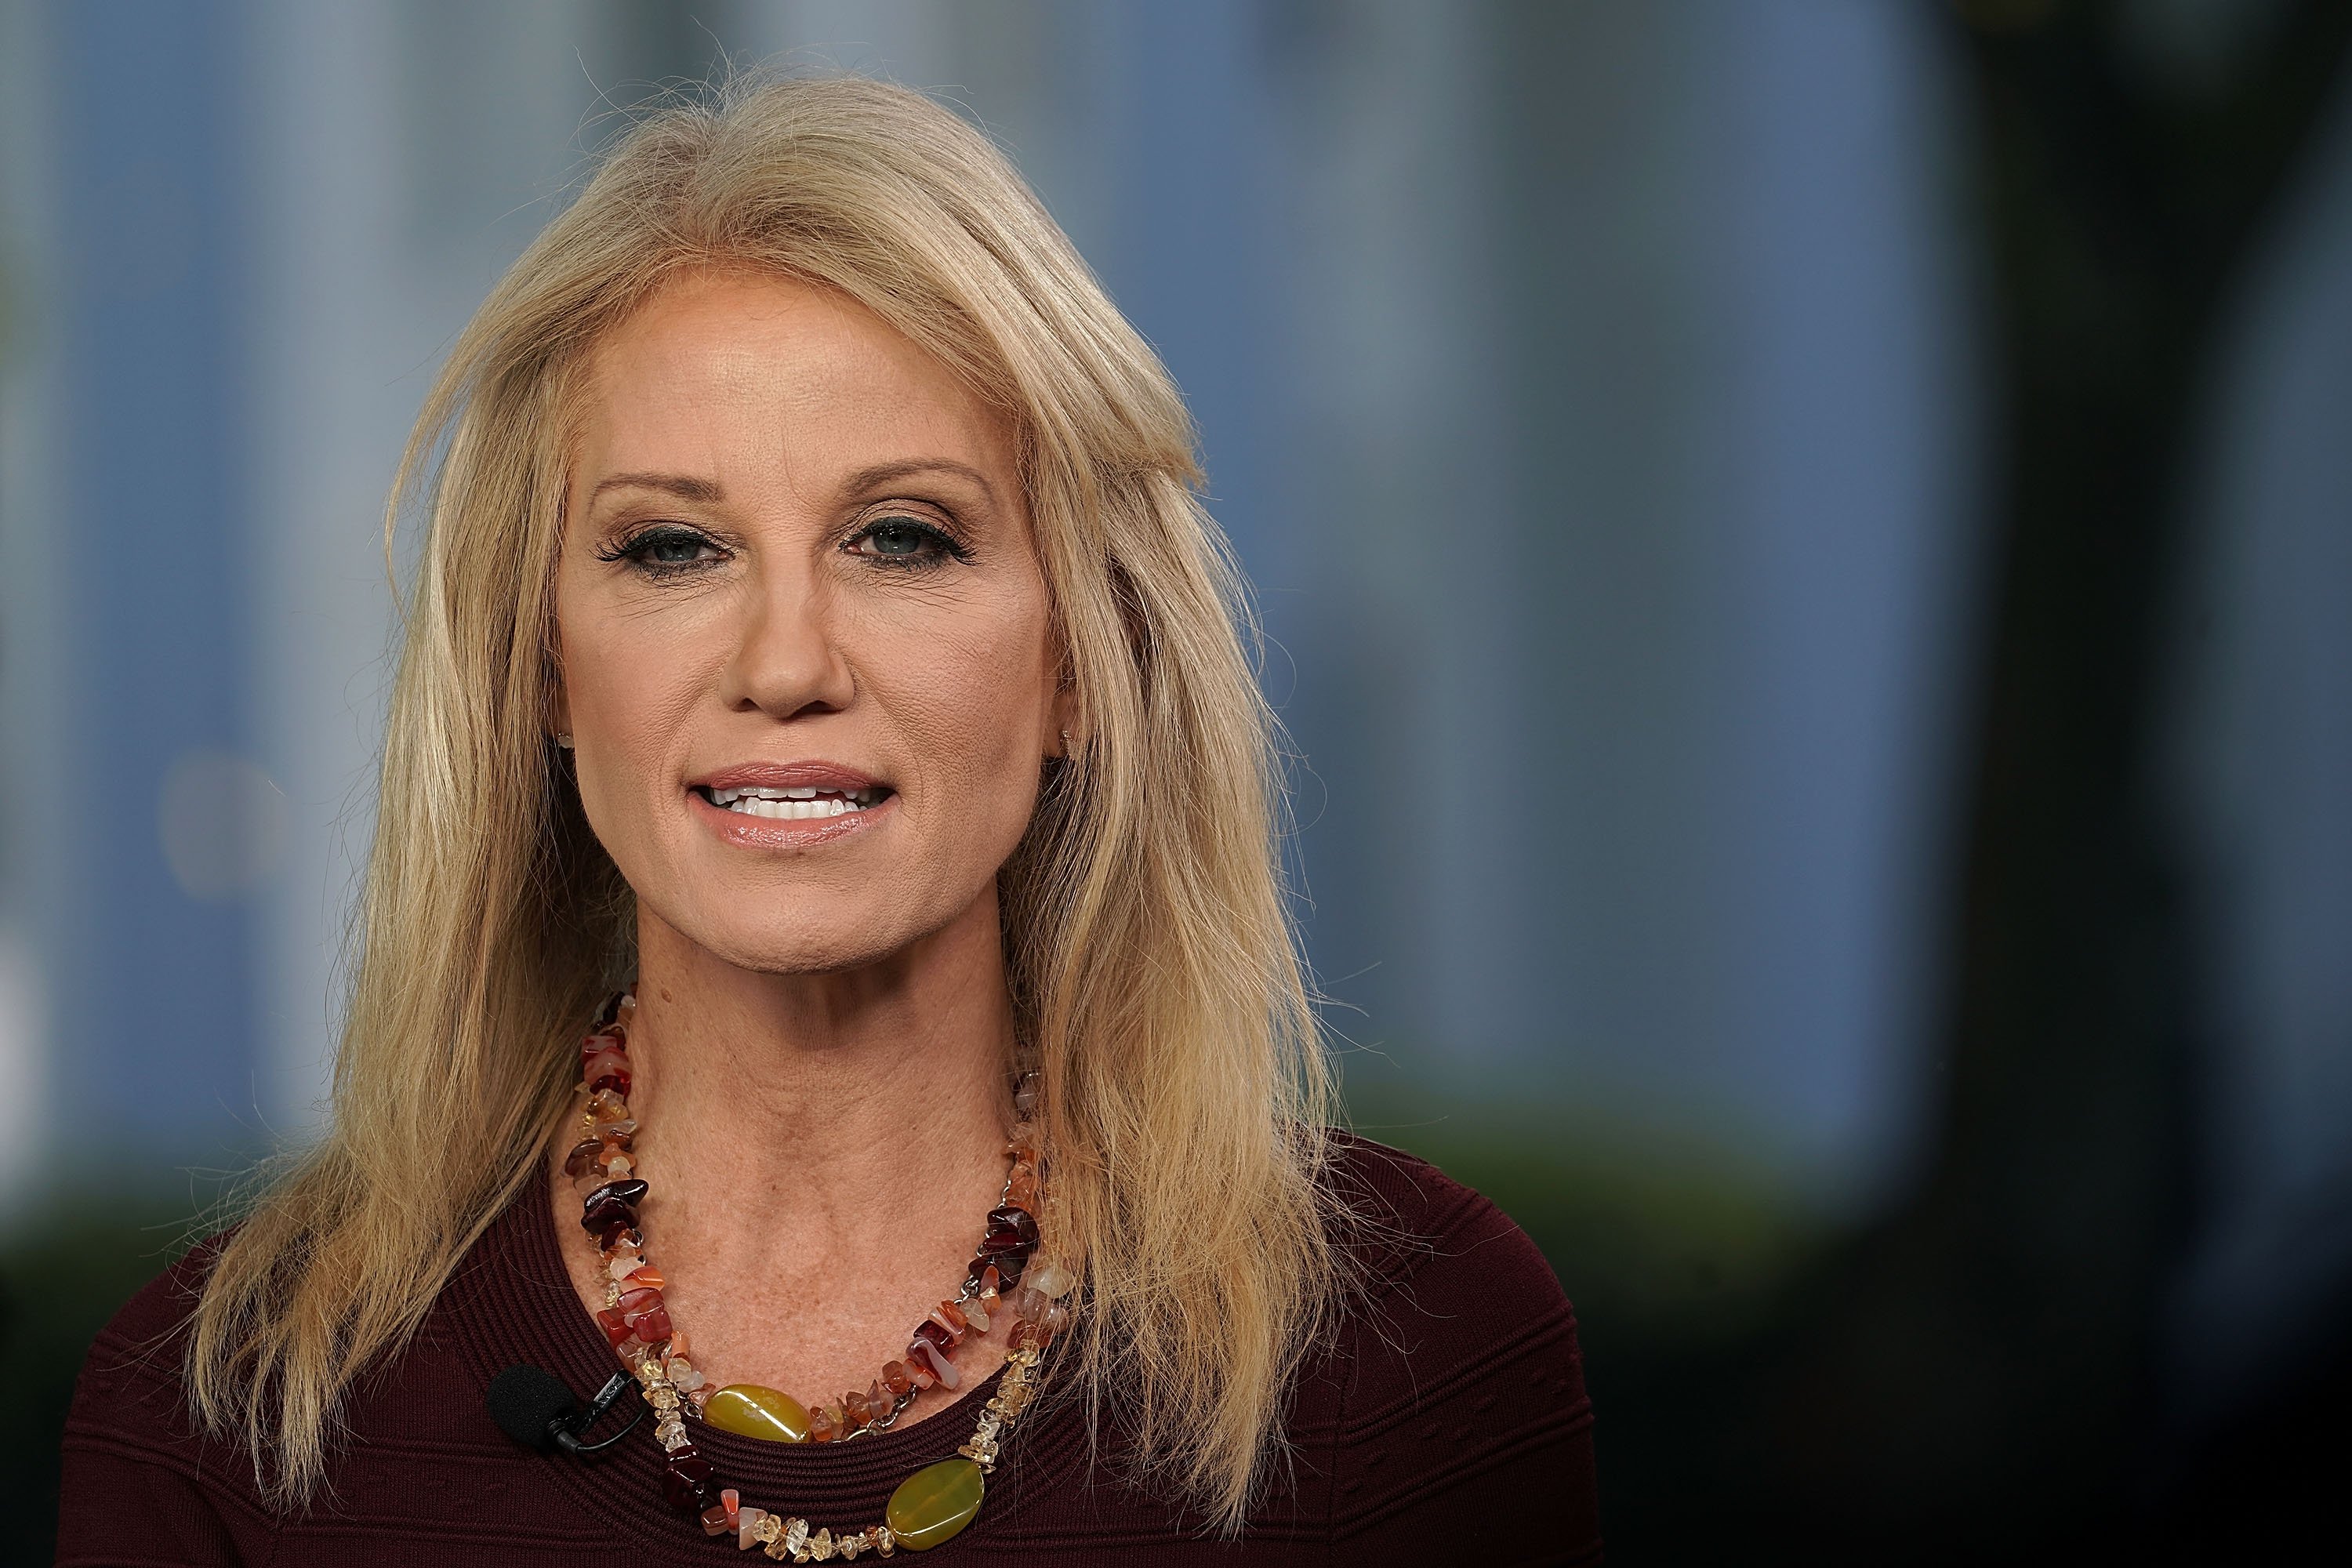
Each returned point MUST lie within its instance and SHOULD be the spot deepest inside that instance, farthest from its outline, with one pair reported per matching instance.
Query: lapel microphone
(539, 1410)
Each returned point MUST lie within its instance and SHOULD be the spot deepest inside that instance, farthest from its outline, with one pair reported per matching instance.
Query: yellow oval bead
(934, 1503)
(749, 1410)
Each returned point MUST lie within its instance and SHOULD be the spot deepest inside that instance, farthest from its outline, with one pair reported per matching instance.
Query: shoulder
(132, 1386)
(1452, 1389)
(132, 1433)
(1434, 1248)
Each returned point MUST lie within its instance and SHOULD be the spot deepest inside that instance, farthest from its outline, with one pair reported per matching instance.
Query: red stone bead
(687, 1482)
(1008, 1266)
(653, 1326)
(604, 1040)
(601, 1215)
(584, 1154)
(934, 1334)
(715, 1520)
(617, 1235)
(629, 1191)
(1011, 1228)
(616, 1330)
(634, 1301)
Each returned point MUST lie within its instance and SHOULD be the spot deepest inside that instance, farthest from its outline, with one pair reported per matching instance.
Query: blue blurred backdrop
(1607, 402)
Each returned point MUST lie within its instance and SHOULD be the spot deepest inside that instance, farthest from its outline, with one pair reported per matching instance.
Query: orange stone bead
(647, 1278)
(895, 1378)
(950, 1317)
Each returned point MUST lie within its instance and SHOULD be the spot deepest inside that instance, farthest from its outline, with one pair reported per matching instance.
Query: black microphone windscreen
(523, 1399)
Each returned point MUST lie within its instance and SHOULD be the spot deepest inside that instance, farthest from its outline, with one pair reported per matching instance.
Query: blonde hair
(1153, 966)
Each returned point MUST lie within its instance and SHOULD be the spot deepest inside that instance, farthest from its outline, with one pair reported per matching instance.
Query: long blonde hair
(1153, 965)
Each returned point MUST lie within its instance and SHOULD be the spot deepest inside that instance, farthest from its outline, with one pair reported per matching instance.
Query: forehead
(733, 371)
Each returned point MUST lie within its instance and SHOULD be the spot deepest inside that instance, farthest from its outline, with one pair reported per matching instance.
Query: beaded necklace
(929, 1506)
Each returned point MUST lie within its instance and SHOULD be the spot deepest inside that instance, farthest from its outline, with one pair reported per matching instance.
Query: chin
(772, 930)
(806, 953)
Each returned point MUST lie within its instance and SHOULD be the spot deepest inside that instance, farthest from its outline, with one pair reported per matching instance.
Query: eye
(901, 540)
(665, 550)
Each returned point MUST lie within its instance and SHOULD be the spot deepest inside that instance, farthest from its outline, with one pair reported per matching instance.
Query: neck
(826, 1098)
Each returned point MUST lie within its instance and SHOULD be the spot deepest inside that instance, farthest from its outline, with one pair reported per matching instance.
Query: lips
(798, 803)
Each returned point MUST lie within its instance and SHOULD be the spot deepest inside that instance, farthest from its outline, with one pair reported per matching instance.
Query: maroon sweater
(1447, 1422)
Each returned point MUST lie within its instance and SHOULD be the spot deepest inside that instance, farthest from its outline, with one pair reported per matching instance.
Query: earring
(564, 740)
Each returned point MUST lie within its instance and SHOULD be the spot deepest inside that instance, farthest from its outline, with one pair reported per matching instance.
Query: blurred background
(1804, 553)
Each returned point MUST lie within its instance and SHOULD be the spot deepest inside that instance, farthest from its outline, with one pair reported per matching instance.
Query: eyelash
(636, 549)
(948, 547)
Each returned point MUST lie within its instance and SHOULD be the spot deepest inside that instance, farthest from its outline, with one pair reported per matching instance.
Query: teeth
(794, 803)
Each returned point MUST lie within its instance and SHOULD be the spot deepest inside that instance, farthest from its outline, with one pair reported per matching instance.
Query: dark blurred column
(1984, 1369)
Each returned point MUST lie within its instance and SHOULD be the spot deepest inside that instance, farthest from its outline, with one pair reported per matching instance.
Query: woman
(823, 696)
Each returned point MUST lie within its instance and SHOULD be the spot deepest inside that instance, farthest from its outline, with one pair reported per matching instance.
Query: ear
(1069, 733)
(557, 720)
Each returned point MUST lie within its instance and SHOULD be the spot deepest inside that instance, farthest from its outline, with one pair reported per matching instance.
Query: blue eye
(904, 541)
(661, 551)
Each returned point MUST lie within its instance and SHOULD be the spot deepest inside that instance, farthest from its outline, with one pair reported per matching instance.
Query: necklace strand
(935, 1502)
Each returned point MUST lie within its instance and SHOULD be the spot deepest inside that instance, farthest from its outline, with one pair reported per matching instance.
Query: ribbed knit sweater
(1446, 1422)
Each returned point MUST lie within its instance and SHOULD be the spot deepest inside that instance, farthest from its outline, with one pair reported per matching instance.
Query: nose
(785, 661)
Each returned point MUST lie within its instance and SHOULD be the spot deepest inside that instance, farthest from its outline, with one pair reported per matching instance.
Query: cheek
(630, 685)
(975, 707)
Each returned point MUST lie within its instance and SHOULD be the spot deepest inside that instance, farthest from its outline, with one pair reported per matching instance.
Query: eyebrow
(686, 487)
(881, 474)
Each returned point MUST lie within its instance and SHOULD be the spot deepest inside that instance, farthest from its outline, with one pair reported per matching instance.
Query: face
(806, 655)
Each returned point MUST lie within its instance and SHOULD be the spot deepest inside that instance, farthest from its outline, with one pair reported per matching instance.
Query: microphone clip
(564, 1431)
(539, 1410)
